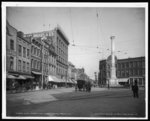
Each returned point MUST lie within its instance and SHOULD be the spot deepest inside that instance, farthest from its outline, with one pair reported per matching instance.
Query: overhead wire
(73, 41)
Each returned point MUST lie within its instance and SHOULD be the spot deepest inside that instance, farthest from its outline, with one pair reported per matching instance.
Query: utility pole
(42, 39)
(42, 61)
(95, 78)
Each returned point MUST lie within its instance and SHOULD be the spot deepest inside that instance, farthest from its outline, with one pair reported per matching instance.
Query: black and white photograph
(74, 60)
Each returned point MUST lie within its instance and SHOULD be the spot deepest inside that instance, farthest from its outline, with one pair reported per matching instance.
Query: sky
(89, 28)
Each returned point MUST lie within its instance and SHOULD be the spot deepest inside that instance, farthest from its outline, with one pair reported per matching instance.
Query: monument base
(114, 83)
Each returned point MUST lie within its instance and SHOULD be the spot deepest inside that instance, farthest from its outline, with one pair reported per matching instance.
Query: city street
(65, 102)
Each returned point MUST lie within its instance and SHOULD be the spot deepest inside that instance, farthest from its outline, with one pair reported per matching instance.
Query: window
(138, 64)
(122, 65)
(127, 73)
(20, 50)
(35, 66)
(38, 65)
(134, 64)
(143, 71)
(24, 52)
(131, 64)
(143, 64)
(127, 65)
(28, 67)
(134, 72)
(12, 44)
(118, 73)
(24, 66)
(19, 65)
(32, 63)
(28, 53)
(131, 72)
(32, 49)
(35, 50)
(11, 63)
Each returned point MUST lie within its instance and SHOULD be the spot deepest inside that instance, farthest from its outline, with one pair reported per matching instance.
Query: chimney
(20, 34)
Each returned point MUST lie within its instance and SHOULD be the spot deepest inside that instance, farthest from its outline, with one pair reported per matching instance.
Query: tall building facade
(71, 72)
(36, 60)
(133, 69)
(62, 44)
(11, 49)
(127, 71)
(102, 78)
(58, 51)
(23, 56)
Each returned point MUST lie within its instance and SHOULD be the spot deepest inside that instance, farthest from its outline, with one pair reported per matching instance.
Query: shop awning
(74, 81)
(57, 79)
(28, 77)
(123, 80)
(10, 76)
(21, 77)
(50, 79)
(63, 80)
(37, 73)
(53, 79)
(69, 81)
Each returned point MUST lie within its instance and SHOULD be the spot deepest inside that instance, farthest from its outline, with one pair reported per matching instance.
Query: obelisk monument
(113, 80)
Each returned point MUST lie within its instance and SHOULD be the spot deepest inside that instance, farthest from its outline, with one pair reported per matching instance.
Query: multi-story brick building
(131, 69)
(71, 73)
(60, 47)
(62, 53)
(102, 77)
(127, 71)
(23, 55)
(11, 54)
(11, 50)
(36, 60)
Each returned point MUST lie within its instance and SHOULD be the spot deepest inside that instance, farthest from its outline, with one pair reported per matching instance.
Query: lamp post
(95, 78)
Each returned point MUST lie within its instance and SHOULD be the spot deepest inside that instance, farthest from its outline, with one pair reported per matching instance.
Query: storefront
(37, 82)
(18, 83)
(55, 82)
(140, 80)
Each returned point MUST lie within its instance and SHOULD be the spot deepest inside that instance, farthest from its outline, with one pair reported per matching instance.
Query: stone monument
(113, 82)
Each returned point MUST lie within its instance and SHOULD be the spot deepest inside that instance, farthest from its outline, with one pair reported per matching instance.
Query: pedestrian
(76, 87)
(135, 90)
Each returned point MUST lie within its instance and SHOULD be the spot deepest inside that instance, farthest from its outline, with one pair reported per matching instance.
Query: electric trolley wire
(71, 25)
(101, 41)
(76, 45)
